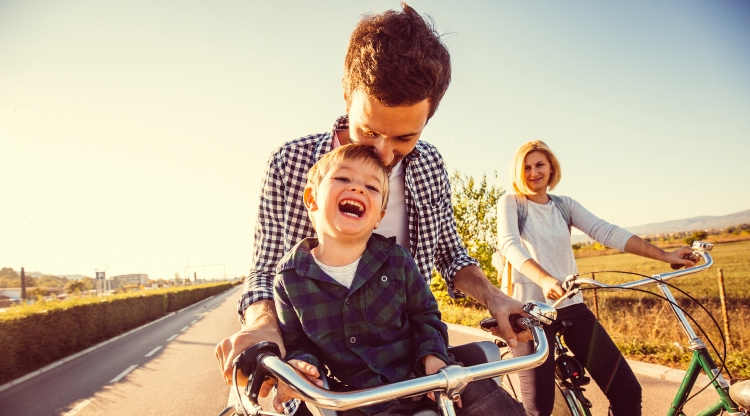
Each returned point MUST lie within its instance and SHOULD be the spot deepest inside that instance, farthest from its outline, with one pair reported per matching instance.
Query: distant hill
(705, 222)
(692, 224)
(40, 274)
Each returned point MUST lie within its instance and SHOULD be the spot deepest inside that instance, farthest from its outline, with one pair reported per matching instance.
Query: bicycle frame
(701, 360)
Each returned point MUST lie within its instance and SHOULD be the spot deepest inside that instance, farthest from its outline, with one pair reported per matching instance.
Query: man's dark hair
(398, 59)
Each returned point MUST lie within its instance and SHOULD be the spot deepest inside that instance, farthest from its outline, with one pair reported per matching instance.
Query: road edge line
(72, 357)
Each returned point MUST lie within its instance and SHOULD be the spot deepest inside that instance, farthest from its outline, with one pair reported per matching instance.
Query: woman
(541, 257)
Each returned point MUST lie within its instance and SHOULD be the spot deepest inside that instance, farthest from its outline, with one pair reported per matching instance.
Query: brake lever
(571, 289)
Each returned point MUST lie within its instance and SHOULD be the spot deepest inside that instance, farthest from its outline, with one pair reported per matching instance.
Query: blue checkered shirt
(283, 222)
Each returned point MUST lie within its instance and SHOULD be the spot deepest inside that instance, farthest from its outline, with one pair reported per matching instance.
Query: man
(396, 71)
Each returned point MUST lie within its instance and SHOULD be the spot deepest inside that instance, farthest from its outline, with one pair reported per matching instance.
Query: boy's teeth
(358, 210)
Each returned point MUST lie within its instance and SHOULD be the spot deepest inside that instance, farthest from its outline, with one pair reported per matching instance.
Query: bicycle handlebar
(653, 279)
(700, 248)
(262, 361)
(451, 379)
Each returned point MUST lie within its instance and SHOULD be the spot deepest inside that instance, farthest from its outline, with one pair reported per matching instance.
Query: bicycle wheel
(567, 404)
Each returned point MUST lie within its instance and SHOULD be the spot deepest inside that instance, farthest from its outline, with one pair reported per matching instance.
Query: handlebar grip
(487, 324)
(693, 257)
(515, 322)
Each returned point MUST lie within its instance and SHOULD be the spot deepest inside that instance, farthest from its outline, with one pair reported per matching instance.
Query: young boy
(354, 301)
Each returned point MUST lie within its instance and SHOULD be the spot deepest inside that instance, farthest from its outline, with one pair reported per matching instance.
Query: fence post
(723, 297)
(596, 300)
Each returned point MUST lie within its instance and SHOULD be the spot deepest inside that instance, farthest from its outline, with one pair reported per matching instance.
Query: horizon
(135, 135)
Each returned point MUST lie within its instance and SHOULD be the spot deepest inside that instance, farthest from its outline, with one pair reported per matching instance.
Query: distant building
(128, 279)
(11, 293)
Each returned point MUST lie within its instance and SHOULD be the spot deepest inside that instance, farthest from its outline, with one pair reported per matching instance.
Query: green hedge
(34, 336)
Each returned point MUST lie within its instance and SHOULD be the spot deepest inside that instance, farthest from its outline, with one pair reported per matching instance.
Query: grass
(643, 326)
(732, 258)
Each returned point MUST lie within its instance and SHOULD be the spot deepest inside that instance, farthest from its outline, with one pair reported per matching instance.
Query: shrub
(36, 335)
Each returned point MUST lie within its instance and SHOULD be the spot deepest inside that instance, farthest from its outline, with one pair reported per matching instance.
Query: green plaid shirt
(374, 333)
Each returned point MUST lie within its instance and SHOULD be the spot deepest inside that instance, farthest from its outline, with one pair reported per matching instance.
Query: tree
(74, 286)
(88, 282)
(177, 280)
(475, 209)
(38, 292)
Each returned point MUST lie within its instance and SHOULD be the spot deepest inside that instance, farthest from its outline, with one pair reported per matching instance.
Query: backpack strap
(522, 209)
(563, 208)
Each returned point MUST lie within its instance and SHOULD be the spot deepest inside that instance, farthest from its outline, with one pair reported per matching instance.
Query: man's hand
(261, 325)
(471, 281)
(284, 393)
(501, 308)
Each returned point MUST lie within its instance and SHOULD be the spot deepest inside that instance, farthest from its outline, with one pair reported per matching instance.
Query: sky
(134, 134)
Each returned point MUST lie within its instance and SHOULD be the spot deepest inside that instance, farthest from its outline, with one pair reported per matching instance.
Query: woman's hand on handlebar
(552, 288)
(283, 392)
(682, 257)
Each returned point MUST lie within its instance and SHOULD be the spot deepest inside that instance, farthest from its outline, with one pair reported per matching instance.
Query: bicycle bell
(702, 246)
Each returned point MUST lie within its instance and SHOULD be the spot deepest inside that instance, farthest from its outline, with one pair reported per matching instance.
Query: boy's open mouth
(351, 208)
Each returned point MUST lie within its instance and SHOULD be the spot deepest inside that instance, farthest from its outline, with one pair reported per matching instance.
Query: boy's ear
(382, 214)
(309, 199)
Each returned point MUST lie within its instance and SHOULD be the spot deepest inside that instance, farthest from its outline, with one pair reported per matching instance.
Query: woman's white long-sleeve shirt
(546, 239)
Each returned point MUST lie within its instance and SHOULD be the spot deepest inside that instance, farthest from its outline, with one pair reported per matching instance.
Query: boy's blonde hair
(517, 170)
(343, 153)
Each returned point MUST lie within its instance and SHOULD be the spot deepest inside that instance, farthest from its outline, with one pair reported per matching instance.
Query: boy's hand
(284, 393)
(432, 365)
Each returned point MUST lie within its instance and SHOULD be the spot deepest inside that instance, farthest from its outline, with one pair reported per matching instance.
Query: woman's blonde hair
(517, 170)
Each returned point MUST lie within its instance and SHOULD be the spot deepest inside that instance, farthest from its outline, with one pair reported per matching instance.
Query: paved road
(657, 393)
(167, 368)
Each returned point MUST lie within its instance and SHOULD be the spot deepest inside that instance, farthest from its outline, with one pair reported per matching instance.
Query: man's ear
(309, 198)
(382, 214)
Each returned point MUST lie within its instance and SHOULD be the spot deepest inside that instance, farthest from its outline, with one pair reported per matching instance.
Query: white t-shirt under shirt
(396, 223)
(546, 239)
(341, 274)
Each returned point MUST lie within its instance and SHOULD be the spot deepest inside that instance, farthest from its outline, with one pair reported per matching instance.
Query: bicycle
(262, 361)
(734, 400)
(570, 375)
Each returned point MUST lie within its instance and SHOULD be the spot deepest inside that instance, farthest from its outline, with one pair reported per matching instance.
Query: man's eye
(404, 139)
(368, 134)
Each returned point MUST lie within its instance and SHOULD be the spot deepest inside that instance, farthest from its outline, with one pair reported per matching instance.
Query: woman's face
(537, 171)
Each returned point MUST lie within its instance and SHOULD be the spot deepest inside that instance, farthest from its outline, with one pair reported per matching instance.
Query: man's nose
(384, 150)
